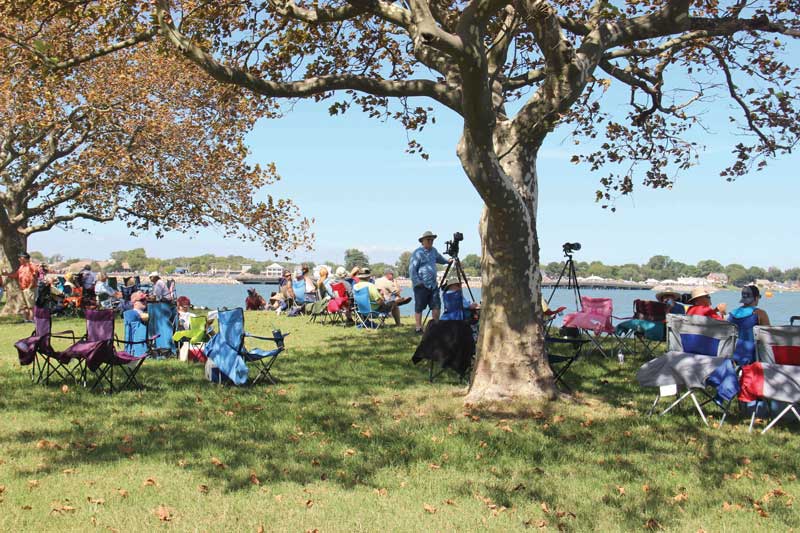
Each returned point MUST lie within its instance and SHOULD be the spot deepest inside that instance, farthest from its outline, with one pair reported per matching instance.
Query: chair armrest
(260, 338)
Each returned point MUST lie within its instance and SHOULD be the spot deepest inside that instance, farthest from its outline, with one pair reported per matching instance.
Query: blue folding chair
(299, 288)
(227, 349)
(364, 312)
(162, 325)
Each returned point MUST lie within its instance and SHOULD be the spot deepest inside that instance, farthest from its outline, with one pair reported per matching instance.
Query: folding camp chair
(161, 325)
(227, 349)
(97, 350)
(364, 312)
(561, 363)
(647, 326)
(593, 320)
(38, 352)
(775, 378)
(699, 357)
(339, 305)
(319, 310)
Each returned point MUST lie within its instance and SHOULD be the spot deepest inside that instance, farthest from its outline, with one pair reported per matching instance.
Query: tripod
(572, 280)
(462, 277)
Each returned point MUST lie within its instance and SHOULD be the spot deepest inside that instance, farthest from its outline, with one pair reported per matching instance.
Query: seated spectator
(254, 301)
(184, 315)
(700, 303)
(277, 302)
(139, 302)
(390, 292)
(456, 305)
(376, 301)
(160, 291)
(88, 278)
(104, 291)
(745, 318)
(324, 284)
(311, 286)
(673, 300)
(286, 279)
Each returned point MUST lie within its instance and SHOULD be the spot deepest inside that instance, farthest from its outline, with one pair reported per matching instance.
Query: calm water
(780, 307)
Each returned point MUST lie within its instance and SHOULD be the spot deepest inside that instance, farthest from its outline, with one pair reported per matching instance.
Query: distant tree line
(664, 267)
(657, 267)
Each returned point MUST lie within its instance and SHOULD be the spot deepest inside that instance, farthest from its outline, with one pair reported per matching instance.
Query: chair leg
(676, 402)
(699, 409)
(653, 407)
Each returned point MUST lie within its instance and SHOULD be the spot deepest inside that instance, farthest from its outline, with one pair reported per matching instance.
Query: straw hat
(341, 273)
(364, 273)
(668, 291)
(426, 235)
(452, 279)
(276, 297)
(154, 274)
(699, 292)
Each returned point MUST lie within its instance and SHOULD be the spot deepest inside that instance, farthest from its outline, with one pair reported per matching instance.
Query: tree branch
(51, 223)
(302, 88)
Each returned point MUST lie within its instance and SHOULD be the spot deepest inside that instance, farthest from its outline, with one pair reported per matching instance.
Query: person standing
(422, 271)
(27, 276)
(159, 292)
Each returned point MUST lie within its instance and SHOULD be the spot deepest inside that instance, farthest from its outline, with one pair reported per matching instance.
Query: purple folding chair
(97, 350)
(38, 352)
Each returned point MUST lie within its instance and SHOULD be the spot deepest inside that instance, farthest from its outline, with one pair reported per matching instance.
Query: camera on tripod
(571, 247)
(452, 246)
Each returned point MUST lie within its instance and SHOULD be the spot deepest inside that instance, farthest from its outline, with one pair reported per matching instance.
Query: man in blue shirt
(422, 271)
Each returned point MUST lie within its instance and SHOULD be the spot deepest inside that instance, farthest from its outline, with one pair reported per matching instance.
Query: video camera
(452, 246)
(571, 247)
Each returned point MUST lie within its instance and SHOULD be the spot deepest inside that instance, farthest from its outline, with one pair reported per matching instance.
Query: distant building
(246, 268)
(273, 271)
(717, 278)
(693, 282)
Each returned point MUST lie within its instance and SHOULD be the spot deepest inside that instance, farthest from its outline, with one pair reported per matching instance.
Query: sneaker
(403, 301)
(418, 331)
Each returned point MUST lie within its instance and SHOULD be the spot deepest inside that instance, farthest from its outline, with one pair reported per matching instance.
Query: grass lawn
(354, 438)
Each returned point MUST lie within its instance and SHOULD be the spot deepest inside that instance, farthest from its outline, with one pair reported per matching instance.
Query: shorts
(425, 297)
(28, 298)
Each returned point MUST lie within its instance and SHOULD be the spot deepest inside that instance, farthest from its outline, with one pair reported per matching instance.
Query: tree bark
(12, 243)
(511, 360)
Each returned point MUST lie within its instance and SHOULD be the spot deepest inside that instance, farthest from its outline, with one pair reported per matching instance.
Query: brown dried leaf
(381, 492)
(164, 513)
(309, 504)
(33, 483)
(203, 489)
(254, 479)
(219, 464)
(429, 508)
(95, 501)
(349, 452)
(434, 466)
(150, 482)
(652, 524)
(64, 389)
(620, 490)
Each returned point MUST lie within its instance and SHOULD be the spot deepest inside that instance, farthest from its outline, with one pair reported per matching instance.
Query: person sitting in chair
(254, 301)
(160, 291)
(104, 291)
(456, 305)
(184, 315)
(390, 292)
(376, 301)
(672, 299)
(139, 302)
(701, 305)
(746, 318)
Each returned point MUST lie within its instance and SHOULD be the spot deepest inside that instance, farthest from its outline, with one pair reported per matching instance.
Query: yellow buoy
(768, 294)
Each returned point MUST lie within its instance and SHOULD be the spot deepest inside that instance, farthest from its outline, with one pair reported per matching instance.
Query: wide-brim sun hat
(668, 291)
(364, 273)
(426, 235)
(154, 274)
(341, 272)
(699, 292)
(452, 280)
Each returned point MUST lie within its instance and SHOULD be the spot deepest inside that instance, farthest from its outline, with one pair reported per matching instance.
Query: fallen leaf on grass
(58, 508)
(69, 471)
(281, 392)
(381, 492)
(2, 489)
(434, 466)
(429, 508)
(182, 463)
(506, 428)
(539, 524)
(164, 513)
(349, 452)
(254, 479)
(260, 529)
(203, 489)
(680, 497)
(150, 482)
(309, 504)
(367, 434)
(33, 483)
(620, 490)
(26, 507)
(219, 464)
(64, 389)
(628, 434)
(558, 419)
(127, 439)
(652, 524)
(125, 450)
(95, 501)
(122, 492)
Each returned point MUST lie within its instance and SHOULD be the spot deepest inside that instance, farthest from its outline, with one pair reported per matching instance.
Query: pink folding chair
(594, 320)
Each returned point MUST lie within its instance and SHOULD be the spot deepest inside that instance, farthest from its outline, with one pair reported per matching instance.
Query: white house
(273, 271)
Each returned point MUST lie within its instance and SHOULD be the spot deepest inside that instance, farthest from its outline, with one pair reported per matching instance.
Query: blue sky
(352, 175)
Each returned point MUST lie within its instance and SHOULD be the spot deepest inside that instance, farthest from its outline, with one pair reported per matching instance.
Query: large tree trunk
(511, 360)
(12, 243)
